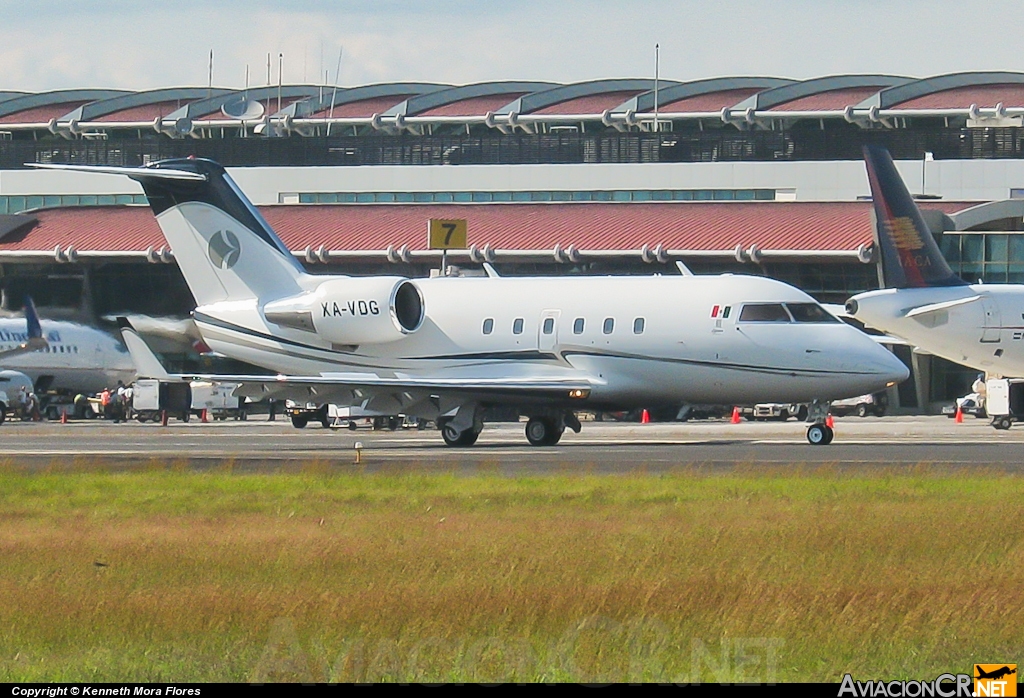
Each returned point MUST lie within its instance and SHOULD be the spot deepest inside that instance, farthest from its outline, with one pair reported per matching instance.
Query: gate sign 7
(446, 234)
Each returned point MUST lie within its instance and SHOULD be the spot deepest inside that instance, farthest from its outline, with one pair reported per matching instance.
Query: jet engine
(353, 310)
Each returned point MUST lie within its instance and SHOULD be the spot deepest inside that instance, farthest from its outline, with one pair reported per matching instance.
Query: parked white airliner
(73, 357)
(448, 348)
(925, 303)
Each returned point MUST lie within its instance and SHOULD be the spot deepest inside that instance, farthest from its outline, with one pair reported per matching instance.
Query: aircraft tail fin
(223, 245)
(910, 256)
(146, 363)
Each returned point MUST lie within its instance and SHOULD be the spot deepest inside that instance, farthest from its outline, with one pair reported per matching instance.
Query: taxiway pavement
(600, 447)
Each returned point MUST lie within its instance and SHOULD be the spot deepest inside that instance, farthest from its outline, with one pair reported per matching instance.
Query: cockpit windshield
(788, 312)
(810, 312)
(764, 312)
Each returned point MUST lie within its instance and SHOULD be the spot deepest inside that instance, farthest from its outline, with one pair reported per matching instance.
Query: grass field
(162, 574)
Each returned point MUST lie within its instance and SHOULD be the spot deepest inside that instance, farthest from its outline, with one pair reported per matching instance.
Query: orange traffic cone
(829, 422)
(735, 416)
(163, 418)
(959, 418)
(204, 417)
(645, 417)
(64, 416)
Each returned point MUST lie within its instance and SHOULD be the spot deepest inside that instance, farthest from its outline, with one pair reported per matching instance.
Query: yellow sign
(995, 680)
(446, 234)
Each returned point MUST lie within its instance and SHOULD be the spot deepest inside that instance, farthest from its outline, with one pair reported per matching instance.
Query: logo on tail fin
(224, 249)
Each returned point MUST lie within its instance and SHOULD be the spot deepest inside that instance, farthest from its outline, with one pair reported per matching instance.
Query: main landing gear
(544, 431)
(541, 430)
(454, 437)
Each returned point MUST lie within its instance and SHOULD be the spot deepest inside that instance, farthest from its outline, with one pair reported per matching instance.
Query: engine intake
(353, 310)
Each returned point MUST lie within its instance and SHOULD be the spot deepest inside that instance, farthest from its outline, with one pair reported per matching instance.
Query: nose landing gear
(819, 433)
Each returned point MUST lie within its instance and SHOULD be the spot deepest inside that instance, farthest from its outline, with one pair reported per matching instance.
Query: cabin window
(638, 325)
(549, 325)
(609, 325)
(764, 312)
(810, 312)
(517, 326)
(488, 325)
(577, 326)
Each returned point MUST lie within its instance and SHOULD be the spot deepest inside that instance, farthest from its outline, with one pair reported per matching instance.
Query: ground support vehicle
(14, 387)
(218, 399)
(1005, 401)
(302, 414)
(151, 398)
(971, 403)
(862, 405)
(775, 410)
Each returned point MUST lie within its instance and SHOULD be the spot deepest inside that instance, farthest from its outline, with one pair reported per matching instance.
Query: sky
(143, 44)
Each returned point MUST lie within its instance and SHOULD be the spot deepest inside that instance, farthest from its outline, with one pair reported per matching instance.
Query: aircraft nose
(892, 370)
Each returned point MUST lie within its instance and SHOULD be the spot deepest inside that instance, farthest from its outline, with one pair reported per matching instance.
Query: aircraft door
(990, 331)
(547, 330)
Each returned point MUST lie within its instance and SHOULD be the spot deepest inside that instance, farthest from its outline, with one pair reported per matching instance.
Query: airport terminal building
(749, 175)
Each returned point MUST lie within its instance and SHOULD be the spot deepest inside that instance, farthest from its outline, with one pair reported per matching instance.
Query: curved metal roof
(784, 94)
(893, 96)
(56, 98)
(364, 93)
(534, 102)
(213, 105)
(94, 110)
(987, 213)
(620, 103)
(431, 100)
(672, 92)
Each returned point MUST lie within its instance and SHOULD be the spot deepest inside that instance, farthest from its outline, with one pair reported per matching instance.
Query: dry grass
(220, 576)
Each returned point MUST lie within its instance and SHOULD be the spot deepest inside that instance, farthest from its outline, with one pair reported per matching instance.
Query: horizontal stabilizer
(889, 340)
(936, 307)
(146, 363)
(133, 172)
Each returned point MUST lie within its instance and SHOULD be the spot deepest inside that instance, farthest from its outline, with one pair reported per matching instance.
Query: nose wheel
(820, 434)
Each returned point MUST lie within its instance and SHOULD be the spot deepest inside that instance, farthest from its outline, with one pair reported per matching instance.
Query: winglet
(146, 363)
(35, 330)
(910, 256)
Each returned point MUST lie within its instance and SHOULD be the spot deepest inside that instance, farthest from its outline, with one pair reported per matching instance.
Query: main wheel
(543, 431)
(819, 435)
(454, 437)
(299, 421)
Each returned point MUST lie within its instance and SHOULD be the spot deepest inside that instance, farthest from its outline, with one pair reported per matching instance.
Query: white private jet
(448, 348)
(924, 302)
(58, 354)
